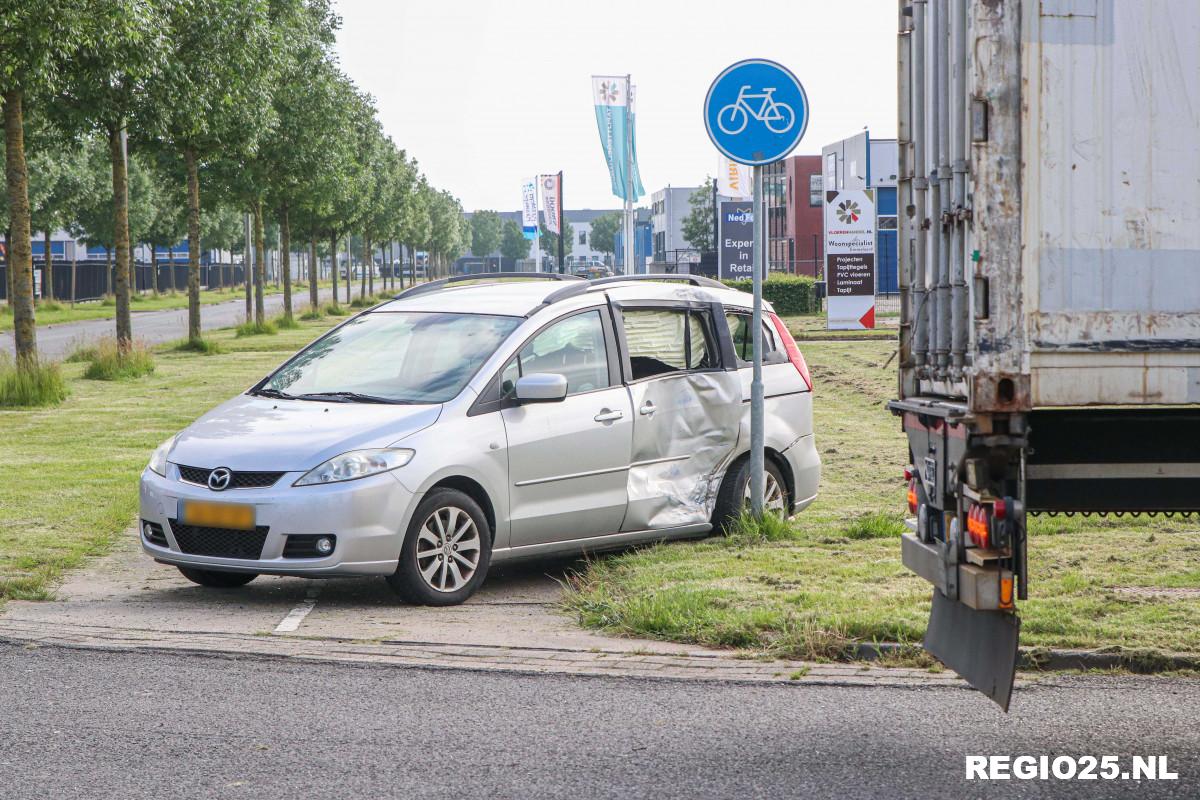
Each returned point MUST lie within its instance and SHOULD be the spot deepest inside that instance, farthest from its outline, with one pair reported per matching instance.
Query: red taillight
(977, 526)
(912, 496)
(793, 352)
(908, 473)
(1000, 509)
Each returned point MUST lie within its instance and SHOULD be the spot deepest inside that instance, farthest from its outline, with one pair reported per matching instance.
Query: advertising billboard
(850, 258)
(737, 239)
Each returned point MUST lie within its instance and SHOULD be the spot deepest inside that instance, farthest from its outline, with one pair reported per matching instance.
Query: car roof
(524, 298)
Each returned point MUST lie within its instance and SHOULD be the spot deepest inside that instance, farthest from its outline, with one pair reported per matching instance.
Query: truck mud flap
(981, 646)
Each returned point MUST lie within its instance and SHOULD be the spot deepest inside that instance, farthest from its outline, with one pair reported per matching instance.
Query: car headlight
(356, 464)
(158, 460)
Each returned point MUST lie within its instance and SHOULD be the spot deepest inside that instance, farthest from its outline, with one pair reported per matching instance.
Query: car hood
(259, 433)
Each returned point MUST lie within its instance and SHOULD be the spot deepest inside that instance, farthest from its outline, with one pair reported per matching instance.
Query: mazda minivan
(485, 418)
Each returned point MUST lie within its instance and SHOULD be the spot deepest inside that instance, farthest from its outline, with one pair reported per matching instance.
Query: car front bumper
(368, 516)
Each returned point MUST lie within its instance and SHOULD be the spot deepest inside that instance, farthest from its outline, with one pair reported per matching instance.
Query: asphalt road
(155, 327)
(93, 724)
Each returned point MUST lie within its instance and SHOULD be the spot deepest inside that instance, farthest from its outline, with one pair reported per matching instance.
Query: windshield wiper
(348, 397)
(273, 393)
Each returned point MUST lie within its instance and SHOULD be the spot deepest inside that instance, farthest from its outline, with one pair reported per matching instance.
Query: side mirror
(541, 387)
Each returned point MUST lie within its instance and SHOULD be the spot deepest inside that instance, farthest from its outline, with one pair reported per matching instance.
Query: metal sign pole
(629, 223)
(756, 385)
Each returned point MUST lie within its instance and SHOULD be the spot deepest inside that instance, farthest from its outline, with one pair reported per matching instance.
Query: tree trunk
(333, 264)
(48, 277)
(108, 270)
(260, 265)
(349, 269)
(120, 187)
(402, 266)
(153, 269)
(285, 260)
(193, 229)
(74, 272)
(170, 268)
(20, 248)
(369, 267)
(314, 299)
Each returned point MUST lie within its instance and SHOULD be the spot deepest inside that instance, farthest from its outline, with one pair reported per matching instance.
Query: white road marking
(292, 621)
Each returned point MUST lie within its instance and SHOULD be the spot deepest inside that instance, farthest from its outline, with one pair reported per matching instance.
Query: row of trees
(184, 114)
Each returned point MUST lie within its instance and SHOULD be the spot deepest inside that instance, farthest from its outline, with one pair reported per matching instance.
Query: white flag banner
(552, 202)
(734, 180)
(529, 209)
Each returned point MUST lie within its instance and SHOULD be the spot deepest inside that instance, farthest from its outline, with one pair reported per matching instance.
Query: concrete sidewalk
(125, 601)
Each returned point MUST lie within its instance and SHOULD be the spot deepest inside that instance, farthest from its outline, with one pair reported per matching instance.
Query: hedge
(789, 294)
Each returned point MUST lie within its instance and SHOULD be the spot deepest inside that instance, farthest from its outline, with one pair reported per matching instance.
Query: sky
(487, 94)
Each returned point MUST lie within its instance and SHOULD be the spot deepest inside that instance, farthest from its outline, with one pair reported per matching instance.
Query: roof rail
(575, 288)
(433, 286)
(694, 280)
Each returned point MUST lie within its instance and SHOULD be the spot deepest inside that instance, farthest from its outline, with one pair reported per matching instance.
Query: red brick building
(792, 190)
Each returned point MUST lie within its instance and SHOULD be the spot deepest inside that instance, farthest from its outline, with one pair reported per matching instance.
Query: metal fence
(92, 282)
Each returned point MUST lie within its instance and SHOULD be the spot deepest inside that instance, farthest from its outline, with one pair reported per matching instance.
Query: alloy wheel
(773, 498)
(448, 549)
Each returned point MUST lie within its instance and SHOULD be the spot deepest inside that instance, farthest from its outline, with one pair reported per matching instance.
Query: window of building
(662, 341)
(816, 190)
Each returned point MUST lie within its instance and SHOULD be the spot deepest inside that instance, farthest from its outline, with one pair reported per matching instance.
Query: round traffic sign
(756, 111)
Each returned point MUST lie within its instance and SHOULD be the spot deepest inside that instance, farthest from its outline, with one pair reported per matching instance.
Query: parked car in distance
(481, 419)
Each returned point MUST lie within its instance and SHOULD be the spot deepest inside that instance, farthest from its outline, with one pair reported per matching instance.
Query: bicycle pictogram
(778, 117)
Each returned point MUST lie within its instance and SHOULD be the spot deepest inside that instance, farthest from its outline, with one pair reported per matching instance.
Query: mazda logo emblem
(218, 479)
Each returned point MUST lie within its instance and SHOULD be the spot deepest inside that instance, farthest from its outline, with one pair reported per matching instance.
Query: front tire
(735, 494)
(217, 580)
(447, 551)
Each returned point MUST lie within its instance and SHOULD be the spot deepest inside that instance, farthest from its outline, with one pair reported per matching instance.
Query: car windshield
(396, 357)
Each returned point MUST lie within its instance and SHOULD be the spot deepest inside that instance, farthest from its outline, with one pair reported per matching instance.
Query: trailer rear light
(977, 526)
(912, 495)
(908, 473)
(793, 352)
(1000, 509)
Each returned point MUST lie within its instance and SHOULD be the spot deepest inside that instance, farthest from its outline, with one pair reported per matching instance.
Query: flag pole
(562, 220)
(629, 247)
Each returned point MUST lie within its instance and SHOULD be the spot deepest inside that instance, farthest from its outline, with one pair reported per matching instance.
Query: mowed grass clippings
(837, 579)
(68, 479)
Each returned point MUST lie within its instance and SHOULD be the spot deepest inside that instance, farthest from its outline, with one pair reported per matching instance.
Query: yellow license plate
(218, 515)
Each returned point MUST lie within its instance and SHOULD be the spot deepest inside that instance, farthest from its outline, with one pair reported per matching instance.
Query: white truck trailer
(1049, 197)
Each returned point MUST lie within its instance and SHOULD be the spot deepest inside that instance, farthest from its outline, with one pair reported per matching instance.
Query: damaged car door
(686, 410)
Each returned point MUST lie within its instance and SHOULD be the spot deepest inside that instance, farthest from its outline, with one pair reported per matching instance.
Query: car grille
(304, 545)
(153, 533)
(220, 542)
(237, 480)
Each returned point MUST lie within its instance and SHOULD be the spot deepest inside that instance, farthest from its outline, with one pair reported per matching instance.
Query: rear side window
(662, 341)
(740, 327)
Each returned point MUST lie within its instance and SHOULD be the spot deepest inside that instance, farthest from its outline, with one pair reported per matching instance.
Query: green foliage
(604, 233)
(311, 315)
(485, 233)
(284, 322)
(791, 295)
(549, 240)
(698, 224)
(334, 310)
(252, 328)
(513, 243)
(208, 347)
(109, 362)
(747, 529)
(30, 383)
(877, 525)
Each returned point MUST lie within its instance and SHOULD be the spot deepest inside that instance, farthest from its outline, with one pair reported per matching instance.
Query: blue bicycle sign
(756, 111)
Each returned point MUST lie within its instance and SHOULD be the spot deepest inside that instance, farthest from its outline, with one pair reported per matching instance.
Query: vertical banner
(733, 179)
(736, 254)
(552, 202)
(529, 209)
(614, 118)
(850, 258)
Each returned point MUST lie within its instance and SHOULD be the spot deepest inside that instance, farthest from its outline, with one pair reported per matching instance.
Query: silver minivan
(480, 419)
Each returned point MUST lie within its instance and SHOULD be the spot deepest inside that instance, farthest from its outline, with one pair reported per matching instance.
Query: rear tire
(447, 551)
(217, 580)
(732, 496)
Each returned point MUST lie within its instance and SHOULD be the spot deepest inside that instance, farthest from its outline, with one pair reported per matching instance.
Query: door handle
(606, 415)
(647, 409)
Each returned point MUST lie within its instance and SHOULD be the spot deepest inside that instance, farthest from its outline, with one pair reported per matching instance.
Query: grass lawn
(94, 309)
(68, 479)
(836, 576)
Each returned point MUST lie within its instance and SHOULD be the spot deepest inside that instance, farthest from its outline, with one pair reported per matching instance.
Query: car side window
(573, 347)
(662, 341)
(743, 343)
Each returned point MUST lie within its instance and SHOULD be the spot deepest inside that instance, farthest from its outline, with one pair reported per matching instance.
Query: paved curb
(1037, 659)
(528, 660)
